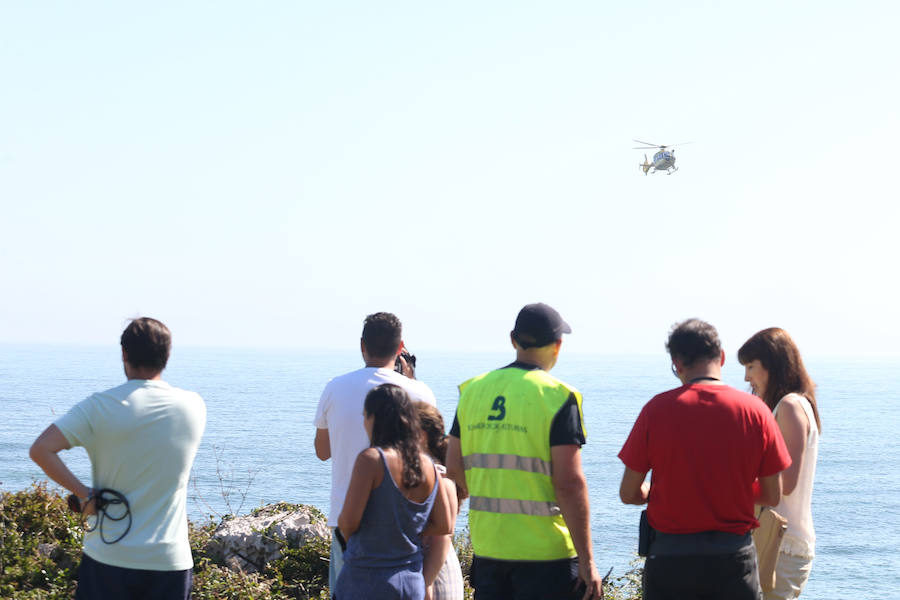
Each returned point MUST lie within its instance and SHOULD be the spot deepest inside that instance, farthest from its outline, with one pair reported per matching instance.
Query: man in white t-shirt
(141, 438)
(341, 433)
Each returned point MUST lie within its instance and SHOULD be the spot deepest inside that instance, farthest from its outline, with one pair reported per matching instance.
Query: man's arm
(455, 469)
(571, 490)
(633, 489)
(45, 452)
(769, 490)
(323, 444)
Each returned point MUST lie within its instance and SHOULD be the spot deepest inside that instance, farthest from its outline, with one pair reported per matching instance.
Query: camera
(410, 362)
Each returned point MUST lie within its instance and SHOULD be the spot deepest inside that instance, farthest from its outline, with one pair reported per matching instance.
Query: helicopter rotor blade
(648, 145)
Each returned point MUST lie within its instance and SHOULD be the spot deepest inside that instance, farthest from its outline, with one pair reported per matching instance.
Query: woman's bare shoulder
(792, 401)
(368, 458)
(790, 408)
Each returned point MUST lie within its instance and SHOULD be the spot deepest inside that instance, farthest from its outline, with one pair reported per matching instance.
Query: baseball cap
(538, 325)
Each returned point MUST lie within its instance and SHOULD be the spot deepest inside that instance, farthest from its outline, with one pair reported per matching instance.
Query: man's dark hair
(147, 342)
(382, 333)
(693, 340)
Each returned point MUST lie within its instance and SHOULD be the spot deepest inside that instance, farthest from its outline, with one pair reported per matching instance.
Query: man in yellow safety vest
(515, 450)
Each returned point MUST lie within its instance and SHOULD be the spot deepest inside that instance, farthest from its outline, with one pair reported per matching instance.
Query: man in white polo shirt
(141, 438)
(340, 431)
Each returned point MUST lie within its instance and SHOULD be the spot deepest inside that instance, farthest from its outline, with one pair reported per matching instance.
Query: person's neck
(710, 372)
(380, 363)
(145, 374)
(536, 359)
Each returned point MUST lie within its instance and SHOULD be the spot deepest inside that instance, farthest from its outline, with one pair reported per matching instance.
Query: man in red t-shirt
(707, 444)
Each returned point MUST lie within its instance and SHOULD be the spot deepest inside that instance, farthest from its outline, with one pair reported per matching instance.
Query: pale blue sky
(266, 174)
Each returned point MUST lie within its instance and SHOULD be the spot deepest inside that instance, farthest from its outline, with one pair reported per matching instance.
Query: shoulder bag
(767, 538)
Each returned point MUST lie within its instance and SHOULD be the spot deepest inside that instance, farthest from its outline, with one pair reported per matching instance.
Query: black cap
(538, 325)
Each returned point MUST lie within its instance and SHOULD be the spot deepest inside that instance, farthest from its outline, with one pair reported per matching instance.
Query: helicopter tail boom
(646, 166)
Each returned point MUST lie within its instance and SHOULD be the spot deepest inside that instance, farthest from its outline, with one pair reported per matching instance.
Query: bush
(215, 582)
(40, 551)
(301, 572)
(627, 586)
(40, 544)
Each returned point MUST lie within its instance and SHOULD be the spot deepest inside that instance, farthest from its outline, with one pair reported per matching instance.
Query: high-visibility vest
(504, 428)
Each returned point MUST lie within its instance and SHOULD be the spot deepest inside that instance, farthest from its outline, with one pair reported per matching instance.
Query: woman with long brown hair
(775, 371)
(395, 497)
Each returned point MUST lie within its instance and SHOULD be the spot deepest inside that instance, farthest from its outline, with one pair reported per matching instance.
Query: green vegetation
(40, 550)
(40, 545)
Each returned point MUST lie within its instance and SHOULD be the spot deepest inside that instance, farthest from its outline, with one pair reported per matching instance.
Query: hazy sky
(266, 174)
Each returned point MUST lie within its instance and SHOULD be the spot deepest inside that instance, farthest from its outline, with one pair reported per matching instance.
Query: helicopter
(663, 160)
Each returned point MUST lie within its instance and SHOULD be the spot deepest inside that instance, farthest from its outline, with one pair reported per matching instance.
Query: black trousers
(525, 580)
(731, 576)
(99, 581)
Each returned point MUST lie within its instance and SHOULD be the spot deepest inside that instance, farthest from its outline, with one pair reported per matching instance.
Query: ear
(512, 340)
(558, 345)
(124, 355)
(722, 359)
(400, 348)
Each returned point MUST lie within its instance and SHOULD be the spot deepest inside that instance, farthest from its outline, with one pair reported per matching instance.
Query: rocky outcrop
(248, 543)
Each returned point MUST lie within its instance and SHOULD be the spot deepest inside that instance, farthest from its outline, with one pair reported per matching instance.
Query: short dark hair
(693, 340)
(147, 342)
(382, 334)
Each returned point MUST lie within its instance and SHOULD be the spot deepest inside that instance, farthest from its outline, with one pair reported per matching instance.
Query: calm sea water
(259, 438)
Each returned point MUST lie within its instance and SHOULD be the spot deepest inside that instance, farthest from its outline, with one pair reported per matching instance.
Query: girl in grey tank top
(383, 522)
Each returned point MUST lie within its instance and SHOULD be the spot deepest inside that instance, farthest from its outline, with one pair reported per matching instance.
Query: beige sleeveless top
(796, 507)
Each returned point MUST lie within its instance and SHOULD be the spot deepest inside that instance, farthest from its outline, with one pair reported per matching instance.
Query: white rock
(248, 543)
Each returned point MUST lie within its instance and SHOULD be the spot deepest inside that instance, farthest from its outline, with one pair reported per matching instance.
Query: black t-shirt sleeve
(454, 429)
(566, 426)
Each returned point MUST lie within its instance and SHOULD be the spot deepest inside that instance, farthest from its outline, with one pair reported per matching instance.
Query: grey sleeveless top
(390, 533)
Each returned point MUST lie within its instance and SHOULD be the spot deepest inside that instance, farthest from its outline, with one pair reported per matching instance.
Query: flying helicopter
(663, 160)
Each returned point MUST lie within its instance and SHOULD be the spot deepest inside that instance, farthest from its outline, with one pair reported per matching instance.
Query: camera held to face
(409, 359)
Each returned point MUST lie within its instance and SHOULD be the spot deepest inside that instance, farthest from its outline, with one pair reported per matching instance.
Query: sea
(258, 445)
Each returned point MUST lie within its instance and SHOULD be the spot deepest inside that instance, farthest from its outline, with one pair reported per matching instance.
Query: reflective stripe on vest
(511, 506)
(507, 461)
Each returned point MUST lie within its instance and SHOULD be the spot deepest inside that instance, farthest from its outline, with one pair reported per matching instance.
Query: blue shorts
(98, 581)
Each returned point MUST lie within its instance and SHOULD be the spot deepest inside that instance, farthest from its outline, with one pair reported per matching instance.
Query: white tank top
(796, 507)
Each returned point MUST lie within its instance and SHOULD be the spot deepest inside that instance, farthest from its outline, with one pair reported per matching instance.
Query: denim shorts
(380, 583)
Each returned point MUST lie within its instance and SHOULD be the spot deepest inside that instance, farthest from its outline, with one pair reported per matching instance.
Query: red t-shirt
(706, 445)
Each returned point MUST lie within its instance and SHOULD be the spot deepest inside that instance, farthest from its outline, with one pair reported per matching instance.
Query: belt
(703, 542)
